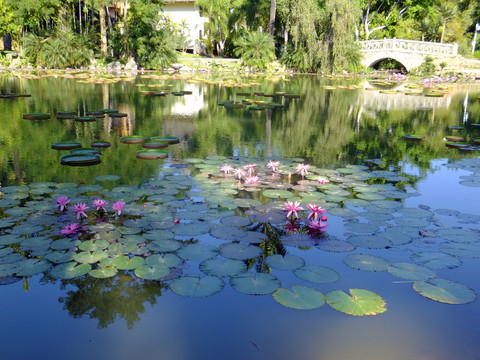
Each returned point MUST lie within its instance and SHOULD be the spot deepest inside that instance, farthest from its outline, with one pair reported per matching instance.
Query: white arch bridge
(409, 53)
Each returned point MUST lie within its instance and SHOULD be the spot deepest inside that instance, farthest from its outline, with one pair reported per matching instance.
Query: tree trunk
(80, 15)
(443, 32)
(273, 10)
(103, 32)
(7, 42)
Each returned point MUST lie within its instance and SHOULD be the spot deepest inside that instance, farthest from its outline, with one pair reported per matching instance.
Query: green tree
(8, 27)
(447, 11)
(256, 49)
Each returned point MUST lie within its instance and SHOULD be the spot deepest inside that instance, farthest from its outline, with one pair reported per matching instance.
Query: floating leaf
(236, 221)
(221, 267)
(164, 245)
(29, 267)
(436, 260)
(370, 241)
(410, 271)
(194, 286)
(87, 257)
(197, 252)
(255, 284)
(288, 262)
(191, 229)
(333, 245)
(70, 270)
(460, 249)
(366, 262)
(459, 235)
(445, 291)
(278, 194)
(168, 260)
(317, 274)
(240, 251)
(301, 297)
(360, 303)
(103, 273)
(124, 262)
(152, 272)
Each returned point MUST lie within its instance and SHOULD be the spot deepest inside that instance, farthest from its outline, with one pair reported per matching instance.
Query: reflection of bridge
(407, 52)
(378, 101)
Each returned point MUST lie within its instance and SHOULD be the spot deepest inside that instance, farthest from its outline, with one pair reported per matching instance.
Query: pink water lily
(251, 180)
(62, 202)
(322, 180)
(273, 165)
(292, 208)
(69, 229)
(239, 173)
(315, 210)
(318, 226)
(80, 209)
(118, 206)
(250, 168)
(100, 204)
(303, 169)
(226, 168)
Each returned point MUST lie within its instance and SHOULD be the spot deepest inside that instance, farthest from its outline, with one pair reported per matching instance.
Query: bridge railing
(409, 46)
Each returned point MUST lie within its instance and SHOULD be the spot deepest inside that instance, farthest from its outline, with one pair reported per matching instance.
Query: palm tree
(256, 49)
(447, 11)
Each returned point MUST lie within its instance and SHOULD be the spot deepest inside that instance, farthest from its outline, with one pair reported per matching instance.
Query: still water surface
(124, 318)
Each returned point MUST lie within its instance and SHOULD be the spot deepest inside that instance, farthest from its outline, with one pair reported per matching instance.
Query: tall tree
(448, 11)
(273, 10)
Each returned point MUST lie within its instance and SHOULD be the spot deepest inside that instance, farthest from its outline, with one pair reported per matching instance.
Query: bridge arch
(407, 52)
(379, 60)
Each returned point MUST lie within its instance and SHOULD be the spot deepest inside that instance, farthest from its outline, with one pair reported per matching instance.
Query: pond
(193, 263)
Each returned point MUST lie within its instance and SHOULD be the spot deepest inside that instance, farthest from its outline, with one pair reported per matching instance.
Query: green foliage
(256, 49)
(427, 67)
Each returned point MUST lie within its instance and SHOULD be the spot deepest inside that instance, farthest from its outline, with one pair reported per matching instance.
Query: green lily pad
(236, 221)
(445, 291)
(297, 240)
(278, 194)
(333, 245)
(360, 227)
(93, 245)
(300, 298)
(103, 273)
(460, 249)
(191, 229)
(124, 262)
(59, 257)
(220, 267)
(436, 260)
(168, 260)
(29, 267)
(366, 262)
(288, 262)
(195, 286)
(255, 284)
(370, 241)
(70, 270)
(246, 203)
(459, 235)
(240, 251)
(164, 245)
(197, 252)
(410, 271)
(64, 244)
(361, 302)
(107, 178)
(89, 257)
(317, 274)
(152, 272)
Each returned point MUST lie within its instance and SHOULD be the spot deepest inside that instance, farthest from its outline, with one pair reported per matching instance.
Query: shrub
(256, 49)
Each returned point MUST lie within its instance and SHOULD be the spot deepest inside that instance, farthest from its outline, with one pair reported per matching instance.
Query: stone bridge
(409, 53)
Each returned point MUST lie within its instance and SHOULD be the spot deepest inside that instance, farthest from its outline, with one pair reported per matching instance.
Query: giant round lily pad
(80, 159)
(166, 139)
(317, 274)
(445, 291)
(255, 284)
(288, 262)
(152, 272)
(133, 139)
(410, 271)
(195, 286)
(360, 302)
(221, 267)
(36, 116)
(366, 262)
(300, 297)
(66, 145)
(151, 154)
(240, 251)
(70, 270)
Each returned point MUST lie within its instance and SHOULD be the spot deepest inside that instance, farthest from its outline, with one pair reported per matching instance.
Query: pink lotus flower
(118, 206)
(69, 229)
(80, 209)
(322, 180)
(292, 208)
(303, 169)
(239, 173)
(226, 168)
(251, 180)
(250, 168)
(318, 226)
(323, 218)
(315, 210)
(273, 165)
(100, 204)
(62, 202)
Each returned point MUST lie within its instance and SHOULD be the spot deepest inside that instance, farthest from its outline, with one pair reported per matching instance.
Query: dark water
(124, 318)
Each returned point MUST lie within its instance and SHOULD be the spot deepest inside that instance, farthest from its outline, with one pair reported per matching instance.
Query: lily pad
(436, 260)
(370, 241)
(164, 245)
(220, 267)
(459, 235)
(236, 221)
(360, 302)
(195, 286)
(124, 262)
(288, 262)
(410, 271)
(278, 194)
(197, 252)
(300, 298)
(90, 257)
(168, 260)
(317, 274)
(103, 273)
(366, 262)
(460, 249)
(240, 251)
(29, 267)
(152, 272)
(70, 270)
(333, 245)
(255, 284)
(445, 291)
